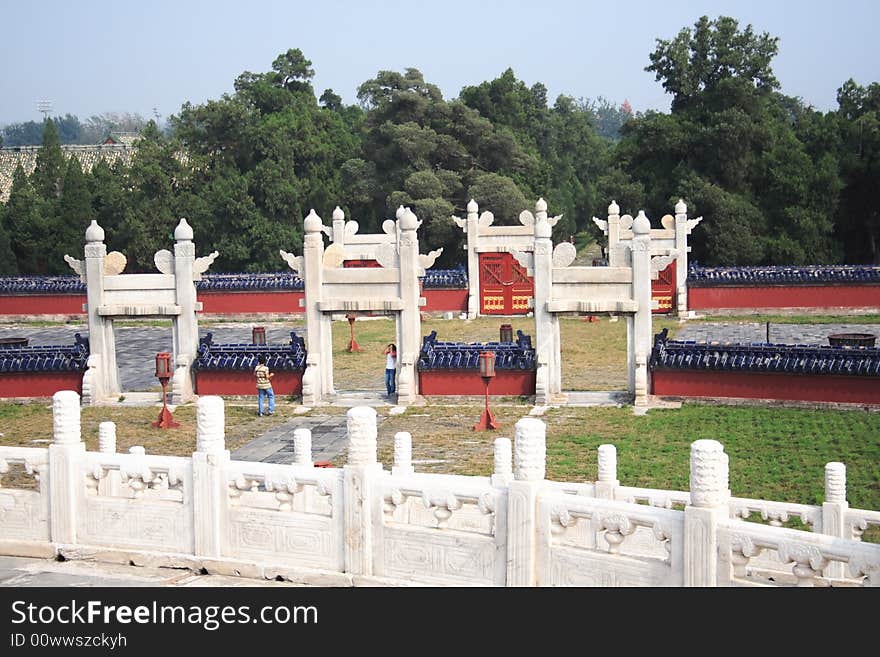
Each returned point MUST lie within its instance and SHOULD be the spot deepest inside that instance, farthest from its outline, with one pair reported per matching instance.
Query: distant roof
(126, 138)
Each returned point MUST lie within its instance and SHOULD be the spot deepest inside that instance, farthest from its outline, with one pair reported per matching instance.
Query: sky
(95, 56)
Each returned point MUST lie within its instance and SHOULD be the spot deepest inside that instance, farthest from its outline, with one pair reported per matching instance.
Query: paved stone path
(29, 572)
(779, 333)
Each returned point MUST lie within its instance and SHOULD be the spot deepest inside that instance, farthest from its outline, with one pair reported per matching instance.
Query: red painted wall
(39, 384)
(445, 300)
(758, 385)
(794, 296)
(469, 382)
(283, 301)
(242, 382)
(42, 304)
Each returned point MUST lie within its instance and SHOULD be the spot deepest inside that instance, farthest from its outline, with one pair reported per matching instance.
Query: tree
(697, 61)
(50, 166)
(8, 261)
(74, 216)
(25, 225)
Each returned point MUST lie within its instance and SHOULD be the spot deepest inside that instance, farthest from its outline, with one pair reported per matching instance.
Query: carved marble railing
(362, 524)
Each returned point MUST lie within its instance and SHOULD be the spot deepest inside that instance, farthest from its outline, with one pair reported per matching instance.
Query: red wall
(42, 304)
(39, 384)
(760, 385)
(222, 303)
(445, 300)
(794, 296)
(242, 382)
(469, 382)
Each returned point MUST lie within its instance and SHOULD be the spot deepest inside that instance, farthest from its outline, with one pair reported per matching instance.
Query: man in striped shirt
(264, 386)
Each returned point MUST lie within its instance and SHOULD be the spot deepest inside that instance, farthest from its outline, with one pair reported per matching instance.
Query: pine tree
(49, 169)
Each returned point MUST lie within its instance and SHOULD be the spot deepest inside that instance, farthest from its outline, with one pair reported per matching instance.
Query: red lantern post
(163, 373)
(352, 343)
(487, 371)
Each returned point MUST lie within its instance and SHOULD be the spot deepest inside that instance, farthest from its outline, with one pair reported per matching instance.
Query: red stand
(352, 344)
(166, 420)
(487, 419)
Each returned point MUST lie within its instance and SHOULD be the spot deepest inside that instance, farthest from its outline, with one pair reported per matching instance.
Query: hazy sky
(96, 56)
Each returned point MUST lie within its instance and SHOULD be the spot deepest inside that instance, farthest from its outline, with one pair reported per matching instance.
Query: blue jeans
(390, 384)
(262, 394)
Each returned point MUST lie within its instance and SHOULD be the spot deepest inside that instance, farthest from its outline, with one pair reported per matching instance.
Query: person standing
(264, 386)
(391, 368)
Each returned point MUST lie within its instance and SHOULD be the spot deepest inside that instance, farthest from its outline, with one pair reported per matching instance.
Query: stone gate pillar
(547, 341)
(186, 324)
(473, 259)
(641, 335)
(315, 383)
(103, 373)
(410, 325)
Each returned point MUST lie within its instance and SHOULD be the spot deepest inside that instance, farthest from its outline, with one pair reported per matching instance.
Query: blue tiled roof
(433, 279)
(46, 358)
(783, 275)
(436, 355)
(243, 356)
(764, 357)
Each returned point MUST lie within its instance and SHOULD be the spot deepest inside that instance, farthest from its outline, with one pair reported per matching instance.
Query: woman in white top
(390, 368)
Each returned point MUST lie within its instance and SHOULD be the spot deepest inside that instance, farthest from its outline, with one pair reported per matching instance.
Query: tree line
(777, 181)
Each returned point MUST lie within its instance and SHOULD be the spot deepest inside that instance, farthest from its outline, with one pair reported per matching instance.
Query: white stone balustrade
(363, 525)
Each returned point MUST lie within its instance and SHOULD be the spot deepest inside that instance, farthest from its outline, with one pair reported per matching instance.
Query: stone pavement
(29, 572)
(779, 333)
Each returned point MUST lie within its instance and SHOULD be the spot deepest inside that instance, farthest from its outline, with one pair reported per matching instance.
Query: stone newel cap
(400, 211)
(312, 223)
(338, 214)
(541, 205)
(681, 207)
(183, 232)
(472, 206)
(94, 233)
(613, 208)
(408, 220)
(641, 225)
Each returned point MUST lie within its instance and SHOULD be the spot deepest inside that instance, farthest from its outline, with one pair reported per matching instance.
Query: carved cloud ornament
(602, 224)
(461, 223)
(690, 224)
(526, 218)
(626, 222)
(293, 261)
(661, 262)
(668, 222)
(389, 227)
(77, 266)
(200, 265)
(164, 261)
(114, 263)
(351, 228)
(486, 219)
(386, 255)
(526, 259)
(564, 254)
(334, 256)
(427, 261)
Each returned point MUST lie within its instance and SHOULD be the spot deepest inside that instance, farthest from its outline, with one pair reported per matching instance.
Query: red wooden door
(663, 289)
(505, 287)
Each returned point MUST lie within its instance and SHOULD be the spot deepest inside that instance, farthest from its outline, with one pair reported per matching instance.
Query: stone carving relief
(602, 224)
(661, 262)
(626, 222)
(389, 227)
(461, 223)
(486, 219)
(526, 259)
(526, 218)
(668, 222)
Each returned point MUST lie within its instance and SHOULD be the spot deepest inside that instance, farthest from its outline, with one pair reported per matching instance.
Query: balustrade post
(210, 487)
(402, 454)
(109, 485)
(708, 505)
(607, 480)
(66, 458)
(834, 513)
(360, 479)
(529, 460)
(503, 455)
